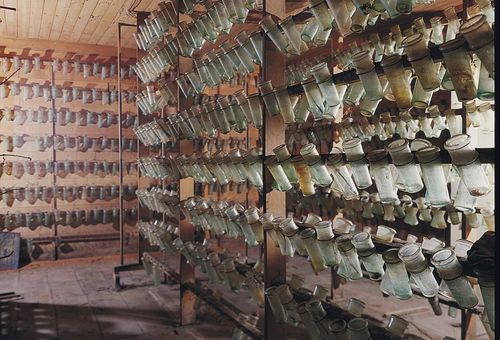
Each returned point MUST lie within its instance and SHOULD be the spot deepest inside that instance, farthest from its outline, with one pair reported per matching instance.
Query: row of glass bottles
(223, 115)
(225, 65)
(308, 308)
(219, 18)
(156, 25)
(348, 252)
(61, 143)
(75, 218)
(87, 96)
(63, 118)
(152, 100)
(220, 267)
(161, 58)
(160, 200)
(221, 167)
(309, 169)
(27, 65)
(411, 212)
(159, 234)
(89, 193)
(391, 43)
(223, 218)
(61, 169)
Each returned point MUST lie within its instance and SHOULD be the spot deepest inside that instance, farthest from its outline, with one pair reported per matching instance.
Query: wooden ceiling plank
(23, 18)
(36, 11)
(106, 21)
(83, 18)
(111, 29)
(11, 18)
(94, 20)
(70, 20)
(59, 17)
(49, 8)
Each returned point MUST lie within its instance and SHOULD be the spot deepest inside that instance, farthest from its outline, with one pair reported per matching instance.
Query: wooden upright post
(186, 190)
(275, 202)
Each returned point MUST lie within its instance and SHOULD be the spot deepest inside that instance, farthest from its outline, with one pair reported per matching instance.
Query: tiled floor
(74, 299)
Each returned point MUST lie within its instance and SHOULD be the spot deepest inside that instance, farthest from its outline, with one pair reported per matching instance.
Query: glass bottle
(268, 95)
(308, 320)
(285, 105)
(273, 32)
(284, 158)
(275, 303)
(342, 11)
(280, 178)
(420, 97)
(256, 109)
(258, 44)
(244, 40)
(319, 317)
(398, 81)
(357, 161)
(326, 242)
(365, 69)
(323, 78)
(289, 303)
(438, 220)
(267, 224)
(480, 38)
(304, 176)
(349, 267)
(368, 255)
(314, 98)
(437, 121)
(486, 85)
(472, 114)
(253, 167)
(466, 160)
(321, 12)
(397, 273)
(245, 58)
(355, 307)
(415, 262)
(382, 175)
(397, 325)
(338, 329)
(290, 29)
(433, 176)
(359, 329)
(453, 122)
(408, 179)
(313, 250)
(253, 219)
(451, 271)
(310, 30)
(487, 9)
(292, 232)
(353, 94)
(342, 176)
(419, 57)
(486, 280)
(359, 21)
(437, 31)
(458, 64)
(488, 218)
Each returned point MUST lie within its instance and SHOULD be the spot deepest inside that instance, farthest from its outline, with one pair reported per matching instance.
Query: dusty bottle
(451, 271)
